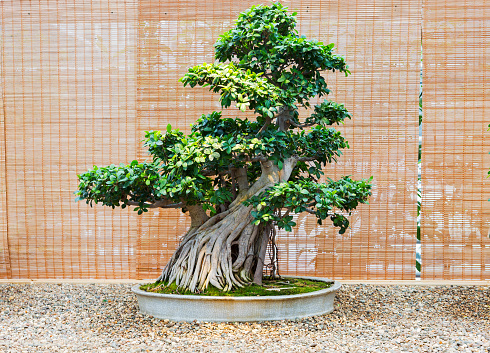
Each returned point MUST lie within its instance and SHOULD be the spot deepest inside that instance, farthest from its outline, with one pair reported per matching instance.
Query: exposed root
(205, 255)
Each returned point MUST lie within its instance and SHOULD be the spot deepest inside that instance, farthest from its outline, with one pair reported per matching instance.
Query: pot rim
(335, 286)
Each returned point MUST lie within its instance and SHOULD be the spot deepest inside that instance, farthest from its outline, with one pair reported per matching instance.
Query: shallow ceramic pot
(226, 309)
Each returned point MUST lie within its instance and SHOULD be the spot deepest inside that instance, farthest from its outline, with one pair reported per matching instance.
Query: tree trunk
(224, 249)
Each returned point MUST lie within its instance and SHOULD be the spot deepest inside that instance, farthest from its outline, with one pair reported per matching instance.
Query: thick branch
(259, 158)
(242, 179)
(283, 118)
(270, 175)
(198, 215)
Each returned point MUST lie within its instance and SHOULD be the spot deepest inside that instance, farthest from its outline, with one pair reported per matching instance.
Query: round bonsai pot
(222, 309)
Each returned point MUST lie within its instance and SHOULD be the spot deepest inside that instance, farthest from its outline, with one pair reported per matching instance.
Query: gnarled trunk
(226, 250)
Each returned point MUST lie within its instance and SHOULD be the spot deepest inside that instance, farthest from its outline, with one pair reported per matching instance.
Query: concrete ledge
(227, 309)
(417, 283)
(129, 281)
(75, 281)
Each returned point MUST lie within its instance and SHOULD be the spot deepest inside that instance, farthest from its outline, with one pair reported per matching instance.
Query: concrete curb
(129, 281)
(237, 309)
(75, 281)
(417, 283)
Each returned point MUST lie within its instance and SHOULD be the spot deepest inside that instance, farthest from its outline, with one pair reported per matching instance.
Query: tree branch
(259, 158)
(290, 121)
(309, 210)
(206, 172)
(283, 118)
(157, 204)
(306, 159)
(242, 179)
(233, 182)
(287, 212)
(198, 215)
(268, 121)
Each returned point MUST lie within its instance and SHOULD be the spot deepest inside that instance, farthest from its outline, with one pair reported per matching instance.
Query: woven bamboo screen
(4, 248)
(455, 159)
(69, 97)
(381, 42)
(82, 80)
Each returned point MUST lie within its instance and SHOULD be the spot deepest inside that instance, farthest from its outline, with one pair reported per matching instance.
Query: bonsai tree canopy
(241, 180)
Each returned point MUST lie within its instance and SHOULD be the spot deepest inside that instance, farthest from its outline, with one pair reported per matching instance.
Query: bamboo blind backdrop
(455, 159)
(82, 80)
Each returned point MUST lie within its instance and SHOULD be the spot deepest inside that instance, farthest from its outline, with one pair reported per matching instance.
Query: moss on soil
(270, 287)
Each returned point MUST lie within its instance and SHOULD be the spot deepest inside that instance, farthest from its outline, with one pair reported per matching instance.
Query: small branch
(278, 210)
(157, 204)
(306, 159)
(206, 172)
(268, 121)
(311, 72)
(287, 212)
(290, 121)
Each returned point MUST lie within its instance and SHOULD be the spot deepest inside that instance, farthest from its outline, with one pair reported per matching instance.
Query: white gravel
(367, 318)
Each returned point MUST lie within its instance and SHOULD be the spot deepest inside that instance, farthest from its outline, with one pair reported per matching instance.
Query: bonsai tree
(241, 180)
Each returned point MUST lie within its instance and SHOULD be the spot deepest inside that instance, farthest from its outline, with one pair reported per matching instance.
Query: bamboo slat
(455, 159)
(381, 42)
(4, 248)
(82, 80)
(69, 89)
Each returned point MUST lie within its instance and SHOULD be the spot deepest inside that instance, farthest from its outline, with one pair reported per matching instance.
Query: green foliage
(217, 144)
(215, 126)
(265, 40)
(118, 185)
(265, 66)
(328, 113)
(248, 89)
(321, 144)
(321, 199)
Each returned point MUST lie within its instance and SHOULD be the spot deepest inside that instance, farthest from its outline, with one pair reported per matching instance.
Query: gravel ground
(367, 318)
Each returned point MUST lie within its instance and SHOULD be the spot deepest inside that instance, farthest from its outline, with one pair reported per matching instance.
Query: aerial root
(205, 256)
